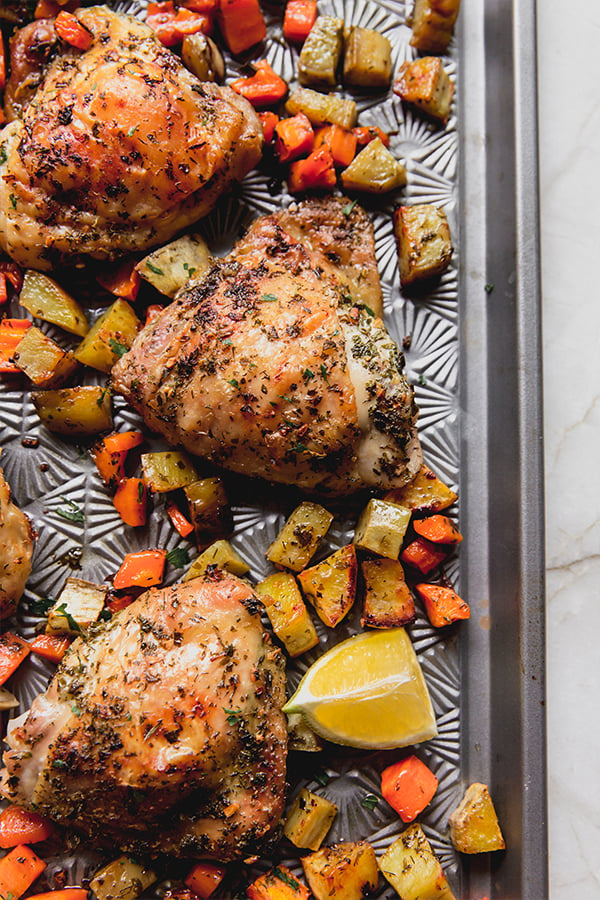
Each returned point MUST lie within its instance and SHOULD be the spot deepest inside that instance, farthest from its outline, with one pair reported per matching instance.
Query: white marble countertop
(569, 74)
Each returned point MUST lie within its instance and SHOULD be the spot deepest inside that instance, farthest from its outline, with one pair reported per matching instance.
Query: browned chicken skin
(16, 550)
(270, 368)
(163, 732)
(119, 148)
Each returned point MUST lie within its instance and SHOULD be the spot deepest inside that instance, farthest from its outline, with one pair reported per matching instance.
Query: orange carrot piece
(314, 172)
(264, 88)
(122, 280)
(364, 135)
(171, 25)
(189, 22)
(142, 569)
(205, 878)
(438, 529)
(19, 826)
(442, 605)
(110, 453)
(11, 332)
(50, 646)
(13, 650)
(207, 7)
(300, 16)
(68, 893)
(340, 142)
(279, 883)
(178, 520)
(242, 24)
(131, 501)
(294, 137)
(422, 555)
(72, 31)
(268, 120)
(18, 870)
(408, 786)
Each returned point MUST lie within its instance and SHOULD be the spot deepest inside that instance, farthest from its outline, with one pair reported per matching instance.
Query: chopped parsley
(308, 375)
(233, 382)
(154, 269)
(422, 380)
(233, 715)
(348, 208)
(74, 513)
(3, 156)
(132, 130)
(59, 764)
(178, 557)
(287, 879)
(13, 200)
(369, 801)
(40, 607)
(117, 348)
(269, 298)
(489, 288)
(71, 622)
(189, 269)
(324, 372)
(322, 777)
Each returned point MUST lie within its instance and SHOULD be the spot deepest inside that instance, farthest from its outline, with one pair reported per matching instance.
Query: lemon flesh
(368, 692)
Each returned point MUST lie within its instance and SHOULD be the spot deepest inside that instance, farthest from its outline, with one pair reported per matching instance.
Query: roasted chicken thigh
(119, 148)
(163, 731)
(270, 367)
(16, 550)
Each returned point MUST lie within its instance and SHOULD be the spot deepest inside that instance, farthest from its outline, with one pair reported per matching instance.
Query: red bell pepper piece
(264, 88)
(408, 786)
(317, 171)
(72, 31)
(142, 569)
(300, 16)
(294, 137)
(19, 826)
(13, 650)
(50, 646)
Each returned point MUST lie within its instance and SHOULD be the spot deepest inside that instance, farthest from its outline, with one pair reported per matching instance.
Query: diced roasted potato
(85, 409)
(201, 56)
(300, 736)
(331, 585)
(474, 824)
(109, 337)
(287, 613)
(278, 883)
(309, 820)
(171, 267)
(42, 360)
(45, 299)
(322, 108)
(122, 879)
(381, 528)
(388, 601)
(424, 83)
(367, 58)
(374, 170)
(433, 24)
(209, 510)
(78, 606)
(167, 470)
(413, 870)
(299, 538)
(424, 243)
(321, 52)
(220, 554)
(7, 700)
(342, 871)
(424, 494)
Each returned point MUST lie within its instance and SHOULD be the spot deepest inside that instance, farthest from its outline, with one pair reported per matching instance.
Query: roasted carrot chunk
(205, 878)
(110, 453)
(264, 88)
(179, 521)
(423, 555)
(340, 142)
(72, 31)
(438, 529)
(408, 786)
(122, 280)
(242, 24)
(300, 16)
(18, 870)
(68, 893)
(13, 650)
(294, 137)
(11, 332)
(131, 500)
(315, 172)
(268, 120)
(50, 646)
(19, 826)
(277, 884)
(442, 605)
(142, 569)
(364, 135)
(171, 25)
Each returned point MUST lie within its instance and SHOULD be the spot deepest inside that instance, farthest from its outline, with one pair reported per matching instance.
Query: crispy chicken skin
(163, 731)
(120, 148)
(16, 550)
(268, 366)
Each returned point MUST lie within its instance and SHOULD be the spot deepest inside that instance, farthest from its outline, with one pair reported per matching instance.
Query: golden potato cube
(296, 543)
(374, 170)
(424, 83)
(367, 58)
(220, 554)
(474, 824)
(424, 243)
(300, 736)
(426, 493)
(287, 613)
(433, 24)
(342, 871)
(413, 870)
(331, 585)
(322, 108)
(45, 363)
(171, 267)
(388, 601)
(309, 820)
(122, 879)
(45, 299)
(85, 409)
(321, 52)
(381, 528)
(209, 510)
(167, 470)
(78, 606)
(109, 337)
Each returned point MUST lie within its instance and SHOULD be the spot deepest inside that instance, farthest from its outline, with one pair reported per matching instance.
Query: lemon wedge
(367, 692)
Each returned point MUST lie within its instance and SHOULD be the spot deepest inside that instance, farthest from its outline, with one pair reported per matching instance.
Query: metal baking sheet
(474, 358)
